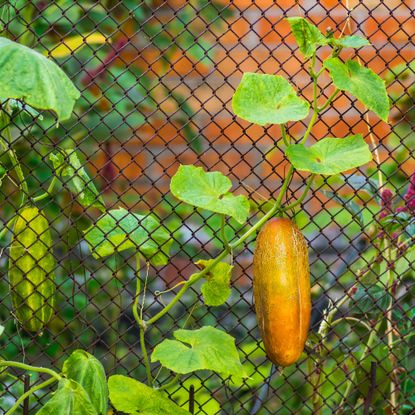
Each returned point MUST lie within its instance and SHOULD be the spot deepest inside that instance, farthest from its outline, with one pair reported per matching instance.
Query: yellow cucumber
(31, 270)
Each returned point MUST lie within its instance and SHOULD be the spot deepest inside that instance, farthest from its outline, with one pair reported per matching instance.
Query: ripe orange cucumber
(282, 290)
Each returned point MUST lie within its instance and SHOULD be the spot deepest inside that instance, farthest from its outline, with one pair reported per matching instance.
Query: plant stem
(48, 191)
(140, 322)
(223, 234)
(389, 327)
(145, 354)
(7, 227)
(171, 383)
(329, 100)
(302, 197)
(351, 380)
(407, 336)
(7, 144)
(355, 320)
(233, 245)
(37, 369)
(284, 135)
(31, 391)
(314, 117)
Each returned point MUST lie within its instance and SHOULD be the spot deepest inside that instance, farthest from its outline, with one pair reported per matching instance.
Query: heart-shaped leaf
(268, 99)
(88, 371)
(204, 349)
(307, 36)
(31, 77)
(362, 83)
(70, 398)
(209, 191)
(131, 397)
(118, 230)
(330, 155)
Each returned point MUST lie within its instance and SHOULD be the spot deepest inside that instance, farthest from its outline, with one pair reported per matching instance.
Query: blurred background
(156, 81)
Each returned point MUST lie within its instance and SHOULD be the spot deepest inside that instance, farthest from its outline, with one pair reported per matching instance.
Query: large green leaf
(268, 99)
(129, 396)
(330, 155)
(307, 36)
(362, 83)
(209, 191)
(70, 170)
(70, 399)
(29, 76)
(86, 370)
(216, 289)
(118, 230)
(210, 349)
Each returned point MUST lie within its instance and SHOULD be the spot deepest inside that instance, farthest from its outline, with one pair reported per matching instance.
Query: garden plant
(281, 270)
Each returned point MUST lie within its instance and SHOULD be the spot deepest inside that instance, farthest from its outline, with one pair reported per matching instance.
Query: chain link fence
(156, 81)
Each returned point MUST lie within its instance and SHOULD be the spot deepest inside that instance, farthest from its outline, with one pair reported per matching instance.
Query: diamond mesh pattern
(156, 92)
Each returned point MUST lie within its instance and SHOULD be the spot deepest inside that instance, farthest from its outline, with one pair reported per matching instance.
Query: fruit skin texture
(31, 267)
(282, 290)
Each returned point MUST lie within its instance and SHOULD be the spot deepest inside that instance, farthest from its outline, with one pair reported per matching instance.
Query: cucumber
(31, 270)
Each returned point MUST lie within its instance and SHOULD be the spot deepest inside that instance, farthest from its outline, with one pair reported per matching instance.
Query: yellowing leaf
(75, 43)
(216, 289)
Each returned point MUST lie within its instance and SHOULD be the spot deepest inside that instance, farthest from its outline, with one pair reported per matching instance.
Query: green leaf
(118, 230)
(29, 76)
(330, 155)
(268, 99)
(129, 396)
(351, 41)
(209, 191)
(307, 36)
(362, 83)
(69, 399)
(216, 289)
(86, 370)
(210, 349)
(70, 170)
(370, 301)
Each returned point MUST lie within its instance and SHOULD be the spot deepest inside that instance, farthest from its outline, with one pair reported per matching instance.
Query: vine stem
(302, 197)
(171, 383)
(7, 145)
(223, 234)
(233, 245)
(24, 366)
(284, 134)
(389, 329)
(48, 191)
(350, 382)
(329, 100)
(140, 322)
(355, 320)
(31, 391)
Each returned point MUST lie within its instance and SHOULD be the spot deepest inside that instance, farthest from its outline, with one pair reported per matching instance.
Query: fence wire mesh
(156, 81)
